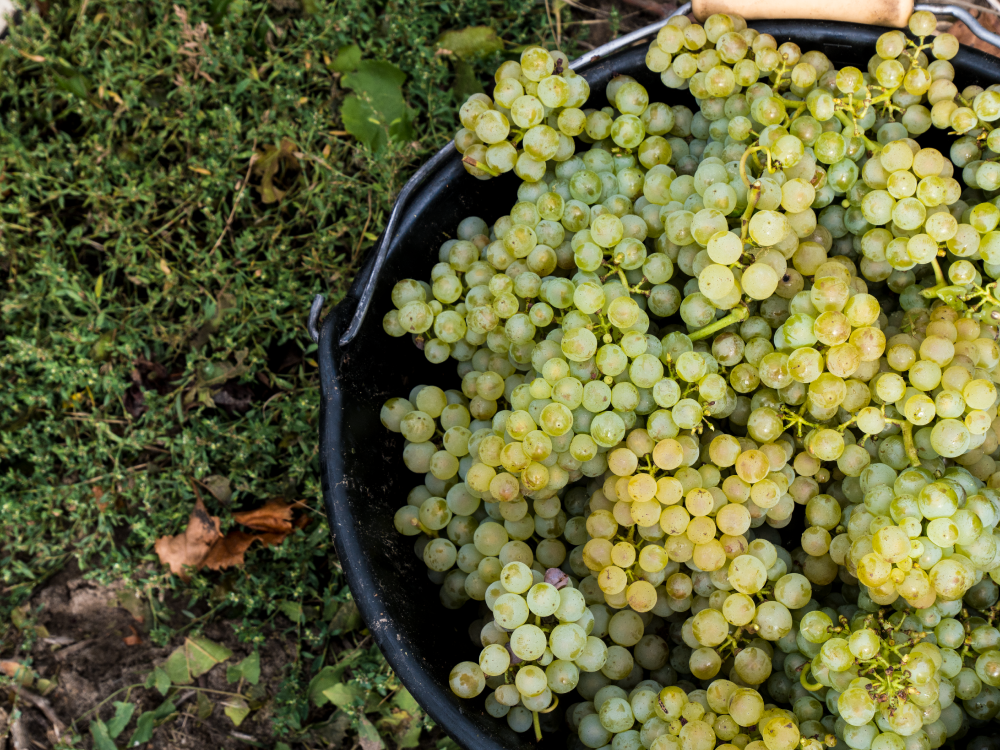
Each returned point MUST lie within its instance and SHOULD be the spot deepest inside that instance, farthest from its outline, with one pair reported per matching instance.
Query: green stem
(480, 165)
(736, 316)
(911, 449)
(103, 702)
(752, 198)
(938, 276)
(810, 686)
(538, 727)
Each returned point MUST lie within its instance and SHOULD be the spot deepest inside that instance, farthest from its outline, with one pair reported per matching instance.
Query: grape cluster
(542, 97)
(677, 335)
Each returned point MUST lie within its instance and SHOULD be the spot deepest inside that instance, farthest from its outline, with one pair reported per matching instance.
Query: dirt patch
(97, 644)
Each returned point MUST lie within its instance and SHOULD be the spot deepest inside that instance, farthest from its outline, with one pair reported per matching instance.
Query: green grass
(152, 306)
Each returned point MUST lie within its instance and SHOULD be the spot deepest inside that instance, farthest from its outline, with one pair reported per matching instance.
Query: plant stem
(752, 197)
(811, 686)
(736, 316)
(538, 727)
(911, 449)
(938, 276)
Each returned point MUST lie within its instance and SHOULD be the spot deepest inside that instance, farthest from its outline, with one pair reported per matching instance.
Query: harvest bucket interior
(364, 478)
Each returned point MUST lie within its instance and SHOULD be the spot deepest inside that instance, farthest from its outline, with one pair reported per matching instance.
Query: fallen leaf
(230, 550)
(202, 545)
(274, 160)
(220, 487)
(192, 659)
(275, 516)
(234, 397)
(473, 41)
(342, 695)
(347, 59)
(368, 736)
(964, 34)
(205, 706)
(33, 58)
(123, 713)
(98, 494)
(236, 709)
(188, 550)
(99, 731)
(17, 671)
(248, 669)
(135, 639)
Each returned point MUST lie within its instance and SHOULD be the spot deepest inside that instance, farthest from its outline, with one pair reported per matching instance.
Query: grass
(153, 305)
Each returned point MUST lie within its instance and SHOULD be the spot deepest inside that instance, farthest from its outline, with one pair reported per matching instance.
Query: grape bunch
(694, 319)
(542, 97)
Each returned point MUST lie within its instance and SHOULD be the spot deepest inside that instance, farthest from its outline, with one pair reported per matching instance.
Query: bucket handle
(698, 7)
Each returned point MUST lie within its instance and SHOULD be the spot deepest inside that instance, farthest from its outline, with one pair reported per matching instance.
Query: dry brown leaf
(275, 517)
(187, 551)
(202, 545)
(98, 494)
(231, 549)
(964, 34)
(133, 640)
(17, 671)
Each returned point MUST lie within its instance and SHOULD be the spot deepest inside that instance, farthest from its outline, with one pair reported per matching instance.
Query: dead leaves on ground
(202, 544)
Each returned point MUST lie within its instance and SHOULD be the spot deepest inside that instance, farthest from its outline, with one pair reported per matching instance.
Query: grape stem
(480, 165)
(538, 727)
(752, 198)
(743, 162)
(810, 686)
(938, 276)
(738, 315)
(911, 448)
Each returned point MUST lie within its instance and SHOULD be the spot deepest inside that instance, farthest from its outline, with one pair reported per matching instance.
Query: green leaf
(193, 659)
(76, 84)
(161, 680)
(291, 610)
(143, 729)
(347, 618)
(205, 706)
(368, 736)
(359, 122)
(99, 731)
(123, 714)
(405, 701)
(325, 679)
(236, 709)
(248, 669)
(148, 721)
(342, 695)
(377, 111)
(466, 84)
(347, 59)
(281, 746)
(473, 41)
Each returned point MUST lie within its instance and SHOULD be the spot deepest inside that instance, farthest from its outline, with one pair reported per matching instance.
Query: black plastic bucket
(364, 479)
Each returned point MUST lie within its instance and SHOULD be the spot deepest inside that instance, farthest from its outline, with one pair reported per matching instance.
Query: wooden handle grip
(875, 12)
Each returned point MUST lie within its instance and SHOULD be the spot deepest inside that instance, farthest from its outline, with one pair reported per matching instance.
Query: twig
(19, 734)
(361, 239)
(548, 15)
(239, 195)
(105, 476)
(595, 11)
(44, 706)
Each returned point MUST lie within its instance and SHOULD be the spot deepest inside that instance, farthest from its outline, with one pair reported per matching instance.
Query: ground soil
(96, 646)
